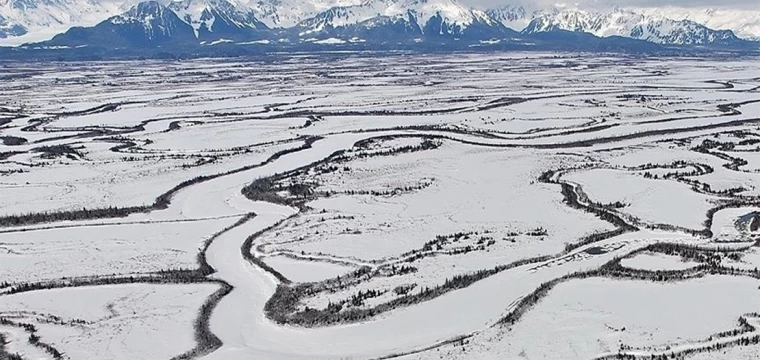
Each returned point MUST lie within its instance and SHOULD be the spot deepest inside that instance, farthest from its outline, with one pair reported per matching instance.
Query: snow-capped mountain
(629, 24)
(430, 18)
(340, 21)
(146, 24)
(37, 19)
(8, 28)
(288, 13)
(34, 20)
(212, 19)
(516, 17)
(151, 19)
(744, 23)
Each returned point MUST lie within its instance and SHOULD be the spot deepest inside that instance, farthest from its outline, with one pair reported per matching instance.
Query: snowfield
(509, 206)
(118, 322)
(104, 249)
(596, 316)
(654, 261)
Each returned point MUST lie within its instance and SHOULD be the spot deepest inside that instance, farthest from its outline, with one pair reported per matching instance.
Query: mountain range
(289, 23)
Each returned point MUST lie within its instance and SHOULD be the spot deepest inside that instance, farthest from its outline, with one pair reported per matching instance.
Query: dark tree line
(282, 307)
(12, 140)
(4, 354)
(180, 276)
(55, 151)
(745, 341)
(162, 201)
(300, 191)
(34, 339)
(206, 341)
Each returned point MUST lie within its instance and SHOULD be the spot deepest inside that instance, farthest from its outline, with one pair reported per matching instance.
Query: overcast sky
(754, 4)
(725, 4)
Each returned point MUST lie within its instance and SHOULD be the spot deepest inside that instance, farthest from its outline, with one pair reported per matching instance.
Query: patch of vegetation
(7, 154)
(13, 140)
(4, 355)
(179, 276)
(73, 215)
(56, 151)
(206, 341)
(34, 339)
(282, 307)
(161, 202)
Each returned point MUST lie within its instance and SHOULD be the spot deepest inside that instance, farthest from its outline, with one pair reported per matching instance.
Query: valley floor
(509, 206)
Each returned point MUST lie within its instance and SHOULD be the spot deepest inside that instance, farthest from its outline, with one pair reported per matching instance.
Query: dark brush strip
(162, 201)
(206, 341)
(281, 307)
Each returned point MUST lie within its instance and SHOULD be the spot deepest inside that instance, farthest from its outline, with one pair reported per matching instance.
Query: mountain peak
(631, 24)
(419, 17)
(146, 9)
(146, 24)
(213, 18)
(148, 13)
(385, 21)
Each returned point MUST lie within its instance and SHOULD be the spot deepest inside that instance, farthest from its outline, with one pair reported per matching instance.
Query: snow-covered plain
(340, 206)
(597, 316)
(653, 261)
(114, 322)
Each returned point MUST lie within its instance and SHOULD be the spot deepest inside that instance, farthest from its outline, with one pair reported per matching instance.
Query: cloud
(721, 4)
(733, 4)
